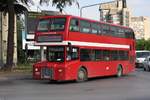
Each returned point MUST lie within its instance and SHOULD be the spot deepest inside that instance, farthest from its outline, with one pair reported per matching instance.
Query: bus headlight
(36, 69)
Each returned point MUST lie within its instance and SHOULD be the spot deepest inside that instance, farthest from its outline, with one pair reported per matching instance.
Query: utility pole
(87, 7)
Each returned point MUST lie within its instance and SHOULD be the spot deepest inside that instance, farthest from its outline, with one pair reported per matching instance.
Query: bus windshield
(142, 54)
(52, 24)
(55, 54)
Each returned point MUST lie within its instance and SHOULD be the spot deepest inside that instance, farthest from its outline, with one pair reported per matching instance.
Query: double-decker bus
(79, 48)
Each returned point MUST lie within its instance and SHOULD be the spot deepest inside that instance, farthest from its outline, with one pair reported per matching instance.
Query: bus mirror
(70, 47)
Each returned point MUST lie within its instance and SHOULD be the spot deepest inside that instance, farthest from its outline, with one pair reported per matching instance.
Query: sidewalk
(5, 76)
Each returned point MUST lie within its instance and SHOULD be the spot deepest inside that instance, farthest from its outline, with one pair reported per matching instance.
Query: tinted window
(43, 25)
(129, 34)
(114, 55)
(105, 29)
(123, 55)
(85, 55)
(74, 25)
(73, 55)
(142, 54)
(113, 30)
(57, 24)
(106, 55)
(95, 29)
(98, 55)
(85, 26)
(55, 54)
(120, 33)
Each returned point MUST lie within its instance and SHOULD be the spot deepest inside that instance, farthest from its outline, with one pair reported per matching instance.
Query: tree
(143, 44)
(11, 7)
(60, 4)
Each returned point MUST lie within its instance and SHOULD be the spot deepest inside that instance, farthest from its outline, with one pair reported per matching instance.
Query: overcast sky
(138, 7)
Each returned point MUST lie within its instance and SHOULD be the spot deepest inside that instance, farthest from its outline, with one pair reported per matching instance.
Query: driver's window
(73, 55)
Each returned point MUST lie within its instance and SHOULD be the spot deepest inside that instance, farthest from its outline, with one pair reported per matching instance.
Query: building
(3, 39)
(115, 12)
(141, 27)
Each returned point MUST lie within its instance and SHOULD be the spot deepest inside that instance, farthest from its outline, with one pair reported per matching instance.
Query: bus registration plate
(46, 73)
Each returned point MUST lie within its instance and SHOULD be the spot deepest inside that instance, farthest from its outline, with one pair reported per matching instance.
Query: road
(135, 86)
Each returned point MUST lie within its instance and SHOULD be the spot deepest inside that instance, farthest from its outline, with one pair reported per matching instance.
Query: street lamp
(87, 7)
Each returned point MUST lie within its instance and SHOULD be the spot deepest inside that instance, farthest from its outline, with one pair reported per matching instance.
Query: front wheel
(119, 71)
(82, 75)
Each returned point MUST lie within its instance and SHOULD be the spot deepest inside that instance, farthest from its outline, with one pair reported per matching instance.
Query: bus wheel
(82, 75)
(119, 71)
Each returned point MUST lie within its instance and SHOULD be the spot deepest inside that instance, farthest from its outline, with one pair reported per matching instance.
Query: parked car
(146, 64)
(141, 55)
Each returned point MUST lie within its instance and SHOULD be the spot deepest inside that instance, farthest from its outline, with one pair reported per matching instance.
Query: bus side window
(120, 33)
(85, 55)
(132, 34)
(74, 25)
(85, 26)
(105, 30)
(113, 30)
(73, 55)
(98, 55)
(106, 55)
(95, 28)
(114, 55)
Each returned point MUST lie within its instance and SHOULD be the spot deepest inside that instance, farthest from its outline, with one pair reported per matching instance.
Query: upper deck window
(74, 25)
(52, 24)
(43, 25)
(95, 28)
(105, 29)
(57, 24)
(85, 26)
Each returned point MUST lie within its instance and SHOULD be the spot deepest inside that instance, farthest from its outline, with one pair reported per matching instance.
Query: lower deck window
(103, 55)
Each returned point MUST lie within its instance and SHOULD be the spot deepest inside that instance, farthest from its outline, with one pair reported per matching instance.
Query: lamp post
(87, 7)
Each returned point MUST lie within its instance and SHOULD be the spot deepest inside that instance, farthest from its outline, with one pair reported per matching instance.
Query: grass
(23, 67)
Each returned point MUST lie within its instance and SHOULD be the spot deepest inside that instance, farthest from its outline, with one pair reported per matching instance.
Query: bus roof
(41, 17)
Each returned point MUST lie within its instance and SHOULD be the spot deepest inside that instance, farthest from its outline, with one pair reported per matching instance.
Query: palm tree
(13, 7)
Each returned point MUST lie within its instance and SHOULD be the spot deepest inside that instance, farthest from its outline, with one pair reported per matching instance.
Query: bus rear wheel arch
(82, 75)
(119, 71)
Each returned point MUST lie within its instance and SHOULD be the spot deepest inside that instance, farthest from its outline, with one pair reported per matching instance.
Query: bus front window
(43, 25)
(57, 24)
(51, 24)
(55, 54)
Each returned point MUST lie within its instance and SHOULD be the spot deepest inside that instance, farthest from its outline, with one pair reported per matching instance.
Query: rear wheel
(82, 75)
(119, 71)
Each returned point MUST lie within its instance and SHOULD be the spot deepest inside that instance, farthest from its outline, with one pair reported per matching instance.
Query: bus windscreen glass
(52, 24)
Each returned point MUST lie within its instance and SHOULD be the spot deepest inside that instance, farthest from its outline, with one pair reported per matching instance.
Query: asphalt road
(135, 86)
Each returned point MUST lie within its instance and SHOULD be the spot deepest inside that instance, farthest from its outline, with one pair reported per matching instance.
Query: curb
(3, 78)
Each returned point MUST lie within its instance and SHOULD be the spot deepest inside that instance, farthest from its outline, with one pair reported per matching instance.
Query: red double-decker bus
(79, 48)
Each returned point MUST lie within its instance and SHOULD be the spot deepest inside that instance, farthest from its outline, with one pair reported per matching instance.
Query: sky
(138, 8)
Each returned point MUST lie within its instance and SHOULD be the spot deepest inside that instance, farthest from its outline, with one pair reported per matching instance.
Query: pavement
(7, 76)
(21, 86)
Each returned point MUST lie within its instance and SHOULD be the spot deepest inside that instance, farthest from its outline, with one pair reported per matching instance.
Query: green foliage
(143, 44)
(60, 4)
